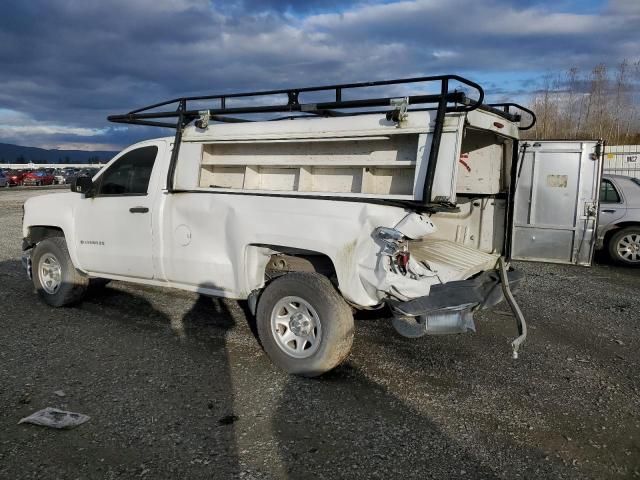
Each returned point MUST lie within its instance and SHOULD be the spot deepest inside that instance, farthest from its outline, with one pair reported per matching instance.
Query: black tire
(335, 318)
(72, 286)
(620, 239)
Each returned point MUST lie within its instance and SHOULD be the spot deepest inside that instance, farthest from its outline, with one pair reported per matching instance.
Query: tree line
(603, 103)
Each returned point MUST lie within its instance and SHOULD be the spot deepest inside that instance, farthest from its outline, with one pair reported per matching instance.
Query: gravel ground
(209, 404)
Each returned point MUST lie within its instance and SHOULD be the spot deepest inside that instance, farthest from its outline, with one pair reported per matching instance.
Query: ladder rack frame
(444, 102)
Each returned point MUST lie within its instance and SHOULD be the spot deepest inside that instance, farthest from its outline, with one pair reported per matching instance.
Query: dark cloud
(293, 6)
(70, 63)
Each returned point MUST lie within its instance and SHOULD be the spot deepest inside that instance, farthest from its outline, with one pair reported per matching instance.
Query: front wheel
(304, 324)
(54, 277)
(624, 246)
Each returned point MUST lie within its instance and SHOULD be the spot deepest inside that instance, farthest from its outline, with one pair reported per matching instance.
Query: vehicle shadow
(159, 408)
(343, 425)
(202, 347)
(601, 257)
(213, 314)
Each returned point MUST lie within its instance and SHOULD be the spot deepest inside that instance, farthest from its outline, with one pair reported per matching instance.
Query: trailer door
(556, 200)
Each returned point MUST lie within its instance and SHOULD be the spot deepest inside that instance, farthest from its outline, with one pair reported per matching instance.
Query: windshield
(636, 181)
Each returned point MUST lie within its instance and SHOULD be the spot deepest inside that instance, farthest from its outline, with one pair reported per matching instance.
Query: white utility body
(306, 218)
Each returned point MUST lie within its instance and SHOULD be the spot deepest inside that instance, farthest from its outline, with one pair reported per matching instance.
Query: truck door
(555, 210)
(113, 232)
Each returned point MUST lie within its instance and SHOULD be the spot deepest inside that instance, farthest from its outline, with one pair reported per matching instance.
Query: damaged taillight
(390, 238)
(395, 247)
(402, 260)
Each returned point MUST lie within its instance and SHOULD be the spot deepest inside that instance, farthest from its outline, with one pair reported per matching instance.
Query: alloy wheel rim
(629, 247)
(296, 327)
(50, 273)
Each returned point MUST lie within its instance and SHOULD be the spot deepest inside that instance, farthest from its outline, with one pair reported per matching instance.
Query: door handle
(609, 211)
(138, 209)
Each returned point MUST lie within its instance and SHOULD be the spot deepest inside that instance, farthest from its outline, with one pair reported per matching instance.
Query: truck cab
(308, 217)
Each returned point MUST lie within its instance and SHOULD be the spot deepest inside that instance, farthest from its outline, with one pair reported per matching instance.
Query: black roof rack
(504, 109)
(443, 102)
(456, 101)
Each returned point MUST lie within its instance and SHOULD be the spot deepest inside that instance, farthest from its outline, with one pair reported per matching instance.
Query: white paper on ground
(54, 418)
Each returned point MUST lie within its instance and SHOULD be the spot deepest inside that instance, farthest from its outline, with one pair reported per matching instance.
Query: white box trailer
(556, 202)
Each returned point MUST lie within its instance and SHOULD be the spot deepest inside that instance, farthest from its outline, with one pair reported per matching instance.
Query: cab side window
(608, 193)
(130, 174)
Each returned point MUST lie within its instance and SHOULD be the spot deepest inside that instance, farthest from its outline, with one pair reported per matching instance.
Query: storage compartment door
(555, 211)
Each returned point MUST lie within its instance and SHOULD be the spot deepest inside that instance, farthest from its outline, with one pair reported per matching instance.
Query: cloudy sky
(66, 64)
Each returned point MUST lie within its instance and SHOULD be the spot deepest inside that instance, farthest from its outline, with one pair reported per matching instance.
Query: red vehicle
(15, 177)
(38, 178)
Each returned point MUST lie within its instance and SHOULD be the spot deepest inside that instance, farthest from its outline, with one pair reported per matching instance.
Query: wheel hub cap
(300, 325)
(295, 326)
(50, 273)
(629, 247)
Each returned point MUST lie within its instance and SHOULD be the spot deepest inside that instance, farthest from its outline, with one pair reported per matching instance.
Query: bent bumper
(449, 307)
(483, 291)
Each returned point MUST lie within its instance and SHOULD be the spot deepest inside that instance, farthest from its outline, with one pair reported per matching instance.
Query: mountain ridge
(10, 153)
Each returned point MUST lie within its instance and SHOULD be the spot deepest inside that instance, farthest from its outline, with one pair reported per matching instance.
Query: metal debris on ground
(54, 418)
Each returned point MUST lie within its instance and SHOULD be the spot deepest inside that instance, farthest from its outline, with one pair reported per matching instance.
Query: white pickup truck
(335, 207)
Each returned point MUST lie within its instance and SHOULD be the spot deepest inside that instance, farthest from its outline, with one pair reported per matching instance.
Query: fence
(622, 160)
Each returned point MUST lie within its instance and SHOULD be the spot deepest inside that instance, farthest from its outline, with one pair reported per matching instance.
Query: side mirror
(82, 185)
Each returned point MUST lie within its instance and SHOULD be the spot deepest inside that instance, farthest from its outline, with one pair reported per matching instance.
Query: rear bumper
(483, 291)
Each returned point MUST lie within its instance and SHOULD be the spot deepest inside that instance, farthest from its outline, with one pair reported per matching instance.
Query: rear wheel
(624, 246)
(54, 277)
(304, 324)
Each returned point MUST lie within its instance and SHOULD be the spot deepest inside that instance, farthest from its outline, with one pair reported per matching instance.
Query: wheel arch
(266, 262)
(615, 229)
(37, 233)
